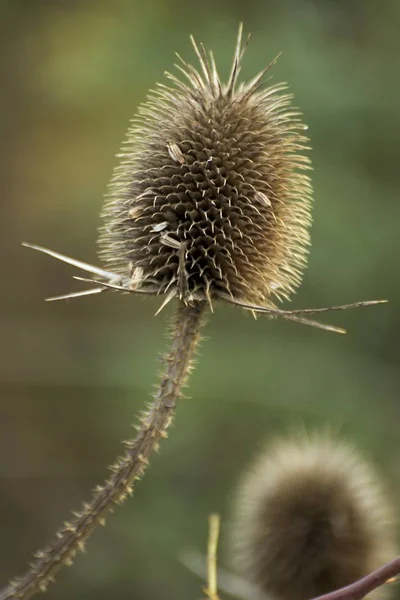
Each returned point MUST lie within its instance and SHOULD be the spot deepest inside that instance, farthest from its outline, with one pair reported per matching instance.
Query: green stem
(127, 469)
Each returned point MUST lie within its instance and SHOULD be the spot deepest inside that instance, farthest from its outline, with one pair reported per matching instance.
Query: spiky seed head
(210, 199)
(310, 516)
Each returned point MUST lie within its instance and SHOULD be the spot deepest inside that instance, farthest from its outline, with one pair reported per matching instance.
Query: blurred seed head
(310, 517)
(210, 199)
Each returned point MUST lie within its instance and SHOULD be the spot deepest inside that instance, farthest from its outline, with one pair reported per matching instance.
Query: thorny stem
(127, 469)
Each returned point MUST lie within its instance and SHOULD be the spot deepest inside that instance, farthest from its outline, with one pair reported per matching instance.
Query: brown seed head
(310, 517)
(210, 199)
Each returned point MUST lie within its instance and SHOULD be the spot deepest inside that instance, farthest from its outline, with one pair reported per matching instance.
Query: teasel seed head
(211, 199)
(310, 517)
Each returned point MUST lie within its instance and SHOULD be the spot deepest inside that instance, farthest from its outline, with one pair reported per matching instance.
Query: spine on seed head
(310, 516)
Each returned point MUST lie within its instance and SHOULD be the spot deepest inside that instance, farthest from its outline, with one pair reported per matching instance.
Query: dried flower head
(211, 199)
(310, 517)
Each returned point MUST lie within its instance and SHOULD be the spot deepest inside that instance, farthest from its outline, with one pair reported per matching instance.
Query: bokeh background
(74, 375)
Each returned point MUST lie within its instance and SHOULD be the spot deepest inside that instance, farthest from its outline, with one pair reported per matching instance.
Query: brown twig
(359, 589)
(128, 469)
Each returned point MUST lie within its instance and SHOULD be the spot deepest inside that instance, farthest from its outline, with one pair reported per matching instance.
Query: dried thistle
(210, 201)
(310, 517)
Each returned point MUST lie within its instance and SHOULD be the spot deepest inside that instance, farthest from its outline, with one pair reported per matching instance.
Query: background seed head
(210, 199)
(310, 516)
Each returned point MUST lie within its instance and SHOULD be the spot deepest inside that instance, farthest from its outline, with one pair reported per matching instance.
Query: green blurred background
(74, 375)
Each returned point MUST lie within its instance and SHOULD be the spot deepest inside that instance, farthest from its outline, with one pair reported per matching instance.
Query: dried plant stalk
(359, 589)
(129, 468)
(212, 548)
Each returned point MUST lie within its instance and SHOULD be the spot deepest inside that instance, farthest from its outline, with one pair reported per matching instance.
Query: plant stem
(130, 467)
(360, 588)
